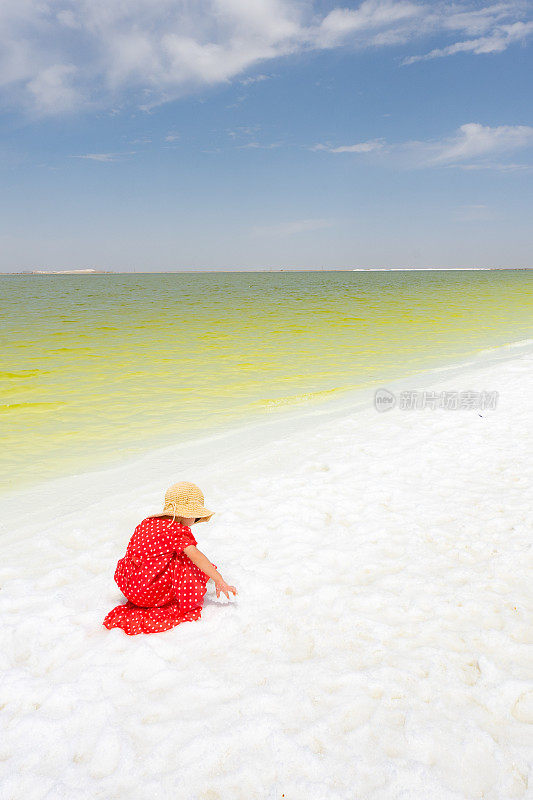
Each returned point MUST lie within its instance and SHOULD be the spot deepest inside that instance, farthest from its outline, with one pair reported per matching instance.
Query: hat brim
(202, 514)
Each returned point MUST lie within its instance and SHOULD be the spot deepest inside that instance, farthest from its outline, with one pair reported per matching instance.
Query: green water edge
(99, 368)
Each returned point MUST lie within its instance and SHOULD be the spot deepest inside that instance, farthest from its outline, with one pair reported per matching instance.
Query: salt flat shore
(378, 646)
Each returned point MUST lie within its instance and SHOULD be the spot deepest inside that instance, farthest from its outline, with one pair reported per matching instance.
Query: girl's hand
(222, 586)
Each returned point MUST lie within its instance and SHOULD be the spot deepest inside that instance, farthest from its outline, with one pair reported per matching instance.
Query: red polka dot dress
(162, 585)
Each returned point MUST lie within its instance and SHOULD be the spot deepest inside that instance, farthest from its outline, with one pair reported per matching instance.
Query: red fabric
(162, 585)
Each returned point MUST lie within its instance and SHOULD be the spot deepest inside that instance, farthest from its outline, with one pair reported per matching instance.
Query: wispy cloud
(489, 28)
(105, 158)
(246, 137)
(54, 89)
(243, 131)
(474, 140)
(497, 41)
(292, 227)
(254, 79)
(509, 167)
(469, 147)
(361, 147)
(106, 53)
(373, 18)
(260, 145)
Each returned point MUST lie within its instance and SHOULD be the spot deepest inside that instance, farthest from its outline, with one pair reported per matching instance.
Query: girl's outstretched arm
(203, 563)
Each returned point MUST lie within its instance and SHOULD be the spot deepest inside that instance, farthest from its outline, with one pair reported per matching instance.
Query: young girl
(163, 575)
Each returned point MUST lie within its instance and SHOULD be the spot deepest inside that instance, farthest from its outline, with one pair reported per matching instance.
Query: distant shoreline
(79, 272)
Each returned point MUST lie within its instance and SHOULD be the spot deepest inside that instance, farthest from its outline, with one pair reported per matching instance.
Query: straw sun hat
(185, 500)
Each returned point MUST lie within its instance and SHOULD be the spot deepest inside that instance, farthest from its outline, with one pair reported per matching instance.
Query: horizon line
(214, 270)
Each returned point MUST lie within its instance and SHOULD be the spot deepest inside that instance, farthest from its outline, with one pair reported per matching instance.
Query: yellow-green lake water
(96, 368)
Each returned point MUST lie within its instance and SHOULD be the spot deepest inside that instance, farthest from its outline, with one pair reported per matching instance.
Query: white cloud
(145, 52)
(243, 131)
(472, 142)
(254, 79)
(496, 42)
(67, 18)
(371, 15)
(291, 228)
(53, 89)
(500, 167)
(246, 137)
(104, 157)
(260, 146)
(361, 147)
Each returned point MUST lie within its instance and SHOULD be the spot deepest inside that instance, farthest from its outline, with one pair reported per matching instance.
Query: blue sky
(165, 134)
